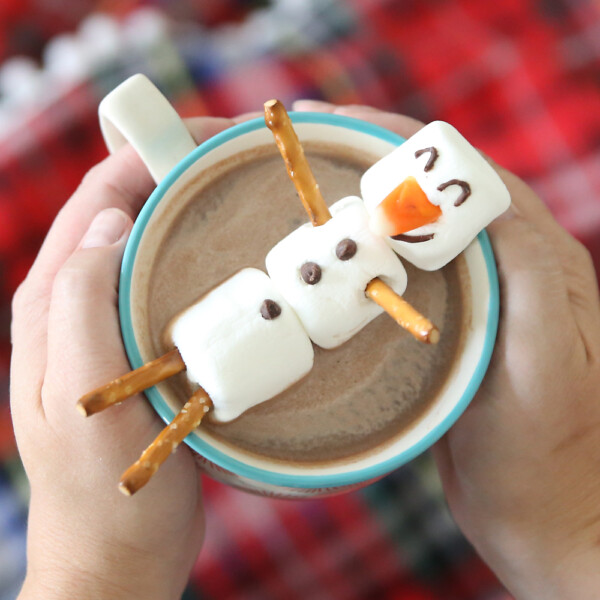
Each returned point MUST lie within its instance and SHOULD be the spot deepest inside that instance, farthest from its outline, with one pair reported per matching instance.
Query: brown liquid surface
(358, 396)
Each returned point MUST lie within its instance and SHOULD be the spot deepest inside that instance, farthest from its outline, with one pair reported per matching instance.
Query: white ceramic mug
(136, 112)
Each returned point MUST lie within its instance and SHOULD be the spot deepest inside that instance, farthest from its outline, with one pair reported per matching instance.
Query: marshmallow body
(449, 171)
(334, 307)
(238, 347)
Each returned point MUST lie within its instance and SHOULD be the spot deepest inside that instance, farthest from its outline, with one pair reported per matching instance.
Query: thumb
(85, 349)
(535, 299)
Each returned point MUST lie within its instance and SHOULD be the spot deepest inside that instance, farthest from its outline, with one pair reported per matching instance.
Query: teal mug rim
(299, 481)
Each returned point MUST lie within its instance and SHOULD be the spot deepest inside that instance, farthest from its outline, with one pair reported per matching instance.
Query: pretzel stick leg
(189, 417)
(132, 383)
(280, 124)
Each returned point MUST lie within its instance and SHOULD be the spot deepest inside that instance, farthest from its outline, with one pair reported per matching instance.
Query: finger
(248, 116)
(118, 182)
(535, 310)
(203, 128)
(84, 340)
(328, 107)
(442, 454)
(528, 205)
(400, 124)
(313, 106)
(575, 260)
(84, 351)
(534, 295)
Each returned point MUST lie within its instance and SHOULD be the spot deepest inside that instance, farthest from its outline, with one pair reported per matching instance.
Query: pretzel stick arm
(278, 121)
(402, 312)
(189, 417)
(132, 383)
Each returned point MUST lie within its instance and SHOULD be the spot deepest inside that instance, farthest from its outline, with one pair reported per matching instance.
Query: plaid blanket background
(519, 78)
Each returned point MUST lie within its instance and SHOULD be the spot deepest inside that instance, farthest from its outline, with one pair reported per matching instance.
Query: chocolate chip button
(270, 310)
(346, 249)
(310, 273)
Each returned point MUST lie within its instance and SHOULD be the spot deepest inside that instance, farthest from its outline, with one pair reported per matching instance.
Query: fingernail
(107, 228)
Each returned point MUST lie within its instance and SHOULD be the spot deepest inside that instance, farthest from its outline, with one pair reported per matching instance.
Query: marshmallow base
(240, 357)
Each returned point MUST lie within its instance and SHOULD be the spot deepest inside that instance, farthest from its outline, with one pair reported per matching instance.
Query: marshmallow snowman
(323, 272)
(431, 196)
(242, 343)
(250, 338)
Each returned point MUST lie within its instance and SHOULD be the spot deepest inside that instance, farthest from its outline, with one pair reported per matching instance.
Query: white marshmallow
(335, 308)
(458, 225)
(233, 352)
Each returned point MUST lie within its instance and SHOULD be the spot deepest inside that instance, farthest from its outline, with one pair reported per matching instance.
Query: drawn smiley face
(432, 195)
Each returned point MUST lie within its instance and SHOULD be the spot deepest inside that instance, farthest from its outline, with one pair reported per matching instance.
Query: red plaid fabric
(393, 540)
(518, 78)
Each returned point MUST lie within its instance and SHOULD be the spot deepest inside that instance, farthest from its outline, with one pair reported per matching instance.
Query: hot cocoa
(357, 397)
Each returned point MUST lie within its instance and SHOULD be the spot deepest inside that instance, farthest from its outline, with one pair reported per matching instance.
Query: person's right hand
(521, 467)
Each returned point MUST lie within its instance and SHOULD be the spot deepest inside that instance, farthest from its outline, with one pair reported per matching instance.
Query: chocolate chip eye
(345, 249)
(464, 194)
(269, 310)
(310, 273)
(433, 154)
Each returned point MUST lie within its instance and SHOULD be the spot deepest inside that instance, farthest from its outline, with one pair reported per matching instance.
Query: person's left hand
(85, 539)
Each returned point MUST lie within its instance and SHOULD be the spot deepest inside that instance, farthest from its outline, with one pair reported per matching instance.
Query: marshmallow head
(242, 343)
(323, 272)
(432, 195)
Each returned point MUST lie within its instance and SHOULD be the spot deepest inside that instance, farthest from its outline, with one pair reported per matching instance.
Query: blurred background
(519, 78)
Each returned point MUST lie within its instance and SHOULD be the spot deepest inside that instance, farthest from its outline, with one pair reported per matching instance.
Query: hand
(85, 539)
(520, 468)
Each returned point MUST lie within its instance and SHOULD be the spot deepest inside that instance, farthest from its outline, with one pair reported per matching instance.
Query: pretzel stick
(166, 443)
(402, 312)
(132, 383)
(278, 121)
(280, 124)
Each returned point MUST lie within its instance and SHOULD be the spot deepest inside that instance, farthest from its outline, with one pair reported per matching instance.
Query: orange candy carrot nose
(405, 208)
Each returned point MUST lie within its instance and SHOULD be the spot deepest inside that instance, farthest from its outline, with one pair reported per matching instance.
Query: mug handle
(137, 112)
